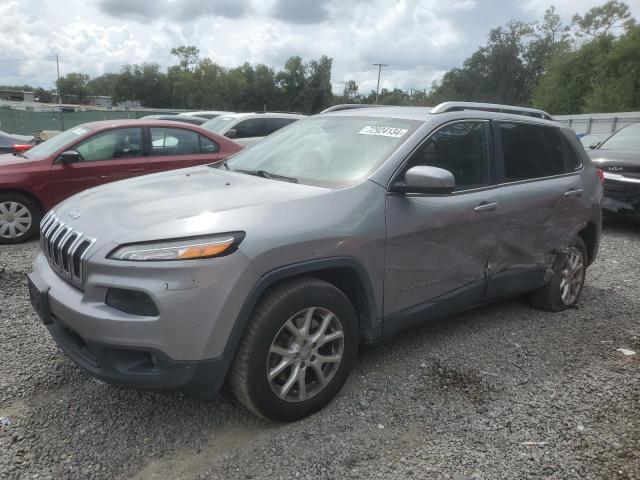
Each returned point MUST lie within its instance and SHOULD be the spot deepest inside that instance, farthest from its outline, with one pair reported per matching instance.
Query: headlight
(182, 249)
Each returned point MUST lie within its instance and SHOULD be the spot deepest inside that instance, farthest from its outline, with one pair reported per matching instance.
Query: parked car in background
(33, 181)
(208, 114)
(619, 158)
(177, 118)
(11, 143)
(249, 128)
(269, 270)
(592, 140)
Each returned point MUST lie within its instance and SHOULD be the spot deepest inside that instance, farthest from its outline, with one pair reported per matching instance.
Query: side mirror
(70, 156)
(593, 146)
(424, 179)
(231, 134)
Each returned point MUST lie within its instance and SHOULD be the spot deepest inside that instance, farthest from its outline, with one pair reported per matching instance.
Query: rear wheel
(566, 285)
(19, 218)
(297, 352)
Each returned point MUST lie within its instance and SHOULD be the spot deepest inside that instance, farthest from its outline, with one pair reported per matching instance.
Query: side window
(118, 143)
(534, 151)
(208, 146)
(174, 141)
(572, 162)
(273, 124)
(252, 127)
(462, 148)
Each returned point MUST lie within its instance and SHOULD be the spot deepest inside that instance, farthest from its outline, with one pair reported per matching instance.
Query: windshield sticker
(383, 131)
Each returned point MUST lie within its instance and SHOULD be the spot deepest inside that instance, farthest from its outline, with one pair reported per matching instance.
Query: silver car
(269, 271)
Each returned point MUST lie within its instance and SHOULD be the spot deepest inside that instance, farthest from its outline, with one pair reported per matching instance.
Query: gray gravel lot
(459, 398)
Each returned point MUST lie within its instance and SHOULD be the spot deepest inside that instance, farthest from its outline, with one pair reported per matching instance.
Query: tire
(550, 297)
(19, 218)
(270, 342)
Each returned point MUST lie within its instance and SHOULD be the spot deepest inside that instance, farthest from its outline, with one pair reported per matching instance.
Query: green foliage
(73, 85)
(604, 20)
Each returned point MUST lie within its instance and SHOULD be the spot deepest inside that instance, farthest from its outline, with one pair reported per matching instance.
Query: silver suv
(269, 270)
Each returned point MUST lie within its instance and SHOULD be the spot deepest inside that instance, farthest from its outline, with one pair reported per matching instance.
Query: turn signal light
(201, 251)
(600, 175)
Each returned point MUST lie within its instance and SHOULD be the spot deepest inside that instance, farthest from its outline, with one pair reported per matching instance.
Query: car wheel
(569, 272)
(297, 352)
(19, 218)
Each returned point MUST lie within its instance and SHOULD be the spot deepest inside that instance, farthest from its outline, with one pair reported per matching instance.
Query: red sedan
(33, 181)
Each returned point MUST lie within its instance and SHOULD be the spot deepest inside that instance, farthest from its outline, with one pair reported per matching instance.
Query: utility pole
(379, 65)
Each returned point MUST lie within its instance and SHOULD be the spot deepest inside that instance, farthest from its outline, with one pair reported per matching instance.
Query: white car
(205, 113)
(249, 128)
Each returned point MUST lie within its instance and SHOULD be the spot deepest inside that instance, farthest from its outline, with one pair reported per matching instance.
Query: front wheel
(19, 218)
(569, 272)
(297, 352)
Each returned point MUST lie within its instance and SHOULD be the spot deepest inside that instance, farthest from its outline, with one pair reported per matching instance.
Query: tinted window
(207, 145)
(462, 149)
(119, 143)
(273, 124)
(534, 151)
(252, 127)
(174, 141)
(627, 138)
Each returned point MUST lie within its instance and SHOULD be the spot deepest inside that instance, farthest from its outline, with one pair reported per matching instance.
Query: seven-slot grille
(64, 247)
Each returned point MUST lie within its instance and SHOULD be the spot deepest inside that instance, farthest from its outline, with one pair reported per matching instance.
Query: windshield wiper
(265, 174)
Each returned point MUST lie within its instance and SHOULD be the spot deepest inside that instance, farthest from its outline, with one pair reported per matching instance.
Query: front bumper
(140, 368)
(184, 347)
(621, 196)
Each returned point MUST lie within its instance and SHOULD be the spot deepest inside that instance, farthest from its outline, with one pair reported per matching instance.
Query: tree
(102, 85)
(188, 57)
(351, 91)
(607, 19)
(73, 85)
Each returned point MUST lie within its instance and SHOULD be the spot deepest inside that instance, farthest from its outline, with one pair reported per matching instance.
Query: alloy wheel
(572, 276)
(15, 220)
(305, 354)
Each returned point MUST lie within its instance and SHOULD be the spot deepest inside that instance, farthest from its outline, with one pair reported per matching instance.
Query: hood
(620, 161)
(180, 203)
(11, 161)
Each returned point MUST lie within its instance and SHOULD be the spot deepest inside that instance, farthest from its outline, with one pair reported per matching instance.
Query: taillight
(600, 175)
(18, 147)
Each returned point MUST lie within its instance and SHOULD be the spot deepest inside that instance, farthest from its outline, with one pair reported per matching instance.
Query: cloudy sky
(419, 39)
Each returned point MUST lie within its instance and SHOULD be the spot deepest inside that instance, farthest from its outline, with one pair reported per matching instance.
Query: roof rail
(350, 106)
(280, 111)
(490, 107)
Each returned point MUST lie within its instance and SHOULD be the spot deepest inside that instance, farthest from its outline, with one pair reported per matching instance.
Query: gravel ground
(499, 392)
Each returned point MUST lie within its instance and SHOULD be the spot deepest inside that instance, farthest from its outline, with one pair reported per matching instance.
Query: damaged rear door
(541, 194)
(438, 246)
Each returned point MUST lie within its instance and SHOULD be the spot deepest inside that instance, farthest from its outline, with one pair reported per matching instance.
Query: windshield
(217, 124)
(627, 138)
(326, 151)
(43, 150)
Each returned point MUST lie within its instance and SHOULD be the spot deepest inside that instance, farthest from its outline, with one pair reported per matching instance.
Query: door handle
(486, 207)
(574, 192)
(136, 170)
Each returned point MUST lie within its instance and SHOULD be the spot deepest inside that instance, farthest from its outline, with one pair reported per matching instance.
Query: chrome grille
(64, 247)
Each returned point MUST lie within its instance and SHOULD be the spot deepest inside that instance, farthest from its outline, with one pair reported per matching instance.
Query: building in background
(17, 96)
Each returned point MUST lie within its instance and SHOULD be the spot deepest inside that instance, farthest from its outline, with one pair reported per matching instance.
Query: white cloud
(419, 39)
